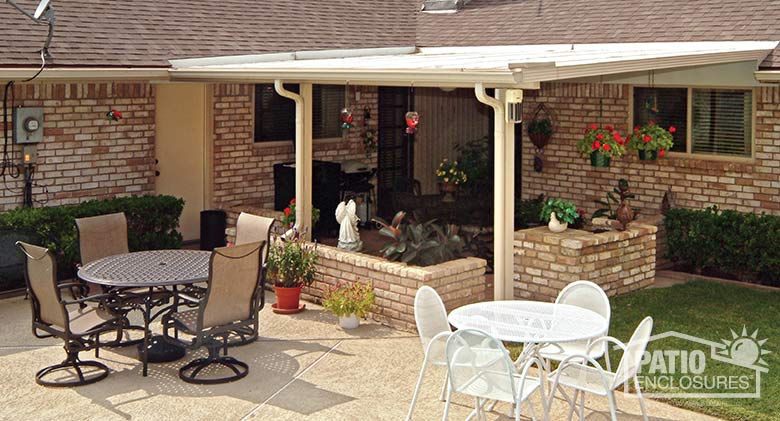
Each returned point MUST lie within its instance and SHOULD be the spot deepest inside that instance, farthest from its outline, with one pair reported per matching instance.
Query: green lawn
(709, 311)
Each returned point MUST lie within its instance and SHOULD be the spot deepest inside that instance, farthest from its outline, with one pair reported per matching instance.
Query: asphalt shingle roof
(145, 33)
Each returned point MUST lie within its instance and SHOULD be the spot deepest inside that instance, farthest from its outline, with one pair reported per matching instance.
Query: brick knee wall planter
(459, 282)
(619, 261)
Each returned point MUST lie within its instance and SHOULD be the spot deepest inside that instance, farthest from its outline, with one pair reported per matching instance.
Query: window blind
(667, 107)
(722, 122)
(275, 115)
(328, 102)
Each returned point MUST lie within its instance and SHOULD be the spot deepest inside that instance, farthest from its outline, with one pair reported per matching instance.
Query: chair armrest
(578, 360)
(189, 298)
(83, 289)
(608, 339)
(92, 298)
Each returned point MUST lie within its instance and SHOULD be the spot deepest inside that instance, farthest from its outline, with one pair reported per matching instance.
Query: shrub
(291, 262)
(420, 244)
(476, 161)
(151, 225)
(528, 211)
(345, 300)
(745, 246)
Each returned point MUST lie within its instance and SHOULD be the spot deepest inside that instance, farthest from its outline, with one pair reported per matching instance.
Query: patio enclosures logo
(676, 365)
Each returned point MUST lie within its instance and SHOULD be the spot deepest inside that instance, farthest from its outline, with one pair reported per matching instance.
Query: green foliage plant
(565, 211)
(292, 262)
(651, 137)
(344, 300)
(541, 126)
(476, 162)
(152, 223)
(421, 244)
(288, 221)
(601, 139)
(528, 211)
(450, 172)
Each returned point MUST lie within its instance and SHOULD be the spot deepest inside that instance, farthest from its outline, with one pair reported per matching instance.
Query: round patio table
(141, 279)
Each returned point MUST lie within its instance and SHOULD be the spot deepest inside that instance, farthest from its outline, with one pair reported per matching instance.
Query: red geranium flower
(606, 147)
(661, 153)
(600, 136)
(651, 123)
(292, 201)
(596, 145)
(672, 129)
(287, 211)
(636, 128)
(593, 127)
(609, 128)
(647, 138)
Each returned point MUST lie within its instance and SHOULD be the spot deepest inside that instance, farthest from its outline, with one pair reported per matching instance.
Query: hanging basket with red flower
(601, 144)
(113, 115)
(651, 140)
(289, 215)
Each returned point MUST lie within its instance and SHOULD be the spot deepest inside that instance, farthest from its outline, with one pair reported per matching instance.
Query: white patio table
(532, 323)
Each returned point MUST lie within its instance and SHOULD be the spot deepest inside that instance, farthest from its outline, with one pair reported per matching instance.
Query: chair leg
(582, 406)
(417, 388)
(612, 408)
(189, 373)
(447, 404)
(573, 404)
(445, 386)
(641, 398)
(72, 362)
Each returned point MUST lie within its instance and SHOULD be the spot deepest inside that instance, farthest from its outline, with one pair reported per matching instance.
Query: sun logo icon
(745, 350)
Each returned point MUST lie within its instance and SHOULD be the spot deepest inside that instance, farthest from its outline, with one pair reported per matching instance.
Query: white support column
(503, 194)
(303, 150)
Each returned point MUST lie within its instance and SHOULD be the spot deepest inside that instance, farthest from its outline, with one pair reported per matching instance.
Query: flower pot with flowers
(558, 214)
(291, 265)
(651, 141)
(288, 222)
(349, 302)
(601, 145)
(450, 177)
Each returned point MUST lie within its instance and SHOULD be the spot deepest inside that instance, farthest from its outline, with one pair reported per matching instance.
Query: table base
(161, 351)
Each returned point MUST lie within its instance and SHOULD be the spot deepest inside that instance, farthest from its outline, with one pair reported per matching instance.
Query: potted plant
(450, 176)
(349, 302)
(289, 216)
(601, 145)
(540, 131)
(291, 265)
(651, 140)
(558, 214)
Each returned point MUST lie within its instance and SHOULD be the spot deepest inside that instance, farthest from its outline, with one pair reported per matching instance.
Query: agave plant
(421, 244)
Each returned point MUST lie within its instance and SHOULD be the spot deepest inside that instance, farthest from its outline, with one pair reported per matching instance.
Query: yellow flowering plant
(449, 172)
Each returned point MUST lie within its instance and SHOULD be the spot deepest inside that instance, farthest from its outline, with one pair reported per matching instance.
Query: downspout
(299, 150)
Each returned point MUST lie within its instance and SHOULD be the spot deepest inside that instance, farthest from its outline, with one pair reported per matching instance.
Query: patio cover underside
(478, 68)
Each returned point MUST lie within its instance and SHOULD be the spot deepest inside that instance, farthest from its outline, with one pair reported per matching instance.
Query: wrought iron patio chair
(585, 375)
(480, 366)
(590, 296)
(79, 323)
(230, 303)
(430, 316)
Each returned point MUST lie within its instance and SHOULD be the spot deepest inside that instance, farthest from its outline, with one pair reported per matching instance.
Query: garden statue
(349, 238)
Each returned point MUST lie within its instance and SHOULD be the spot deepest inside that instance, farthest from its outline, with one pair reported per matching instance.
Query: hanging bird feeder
(412, 120)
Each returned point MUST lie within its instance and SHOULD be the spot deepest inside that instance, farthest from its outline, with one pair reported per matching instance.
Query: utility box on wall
(28, 125)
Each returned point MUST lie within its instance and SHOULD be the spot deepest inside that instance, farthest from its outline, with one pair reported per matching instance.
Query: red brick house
(217, 125)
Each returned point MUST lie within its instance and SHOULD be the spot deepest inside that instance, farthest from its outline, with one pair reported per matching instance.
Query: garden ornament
(349, 238)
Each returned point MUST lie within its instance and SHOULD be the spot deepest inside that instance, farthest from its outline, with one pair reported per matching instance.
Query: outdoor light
(514, 105)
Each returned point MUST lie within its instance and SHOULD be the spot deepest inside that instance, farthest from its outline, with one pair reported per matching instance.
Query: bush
(527, 212)
(745, 246)
(151, 225)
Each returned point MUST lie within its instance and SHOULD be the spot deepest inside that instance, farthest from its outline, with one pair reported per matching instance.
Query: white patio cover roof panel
(500, 65)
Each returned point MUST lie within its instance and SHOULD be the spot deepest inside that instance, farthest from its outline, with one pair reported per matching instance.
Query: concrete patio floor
(303, 367)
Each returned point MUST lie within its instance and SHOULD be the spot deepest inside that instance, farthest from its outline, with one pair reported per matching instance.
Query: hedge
(151, 225)
(745, 246)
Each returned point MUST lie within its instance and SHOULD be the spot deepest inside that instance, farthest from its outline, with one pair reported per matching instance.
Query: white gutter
(299, 149)
(108, 73)
(768, 76)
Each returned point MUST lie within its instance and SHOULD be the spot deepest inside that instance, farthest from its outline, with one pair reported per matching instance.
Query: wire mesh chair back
(233, 279)
(41, 277)
(479, 365)
(587, 295)
(430, 315)
(102, 236)
(635, 349)
(252, 228)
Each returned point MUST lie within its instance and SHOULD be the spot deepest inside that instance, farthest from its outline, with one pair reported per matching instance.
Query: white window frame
(689, 118)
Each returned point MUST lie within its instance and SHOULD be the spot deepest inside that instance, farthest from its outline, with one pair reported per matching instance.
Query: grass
(709, 311)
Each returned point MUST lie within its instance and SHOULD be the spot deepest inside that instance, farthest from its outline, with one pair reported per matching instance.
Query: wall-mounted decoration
(113, 115)
(412, 120)
(346, 119)
(540, 131)
(369, 141)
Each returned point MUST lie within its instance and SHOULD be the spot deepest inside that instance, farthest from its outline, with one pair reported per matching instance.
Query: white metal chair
(480, 366)
(430, 316)
(590, 296)
(585, 375)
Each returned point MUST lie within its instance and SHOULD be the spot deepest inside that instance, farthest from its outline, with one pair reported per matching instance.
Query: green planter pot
(597, 159)
(648, 155)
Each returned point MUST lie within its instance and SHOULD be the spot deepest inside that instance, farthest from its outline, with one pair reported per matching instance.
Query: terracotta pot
(540, 140)
(449, 190)
(597, 159)
(648, 155)
(288, 298)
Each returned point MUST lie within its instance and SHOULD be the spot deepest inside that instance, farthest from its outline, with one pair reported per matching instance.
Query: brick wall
(619, 261)
(243, 169)
(84, 156)
(696, 183)
(458, 282)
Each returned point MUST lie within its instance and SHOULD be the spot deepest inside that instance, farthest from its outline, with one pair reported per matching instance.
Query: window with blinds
(722, 122)
(275, 115)
(666, 107)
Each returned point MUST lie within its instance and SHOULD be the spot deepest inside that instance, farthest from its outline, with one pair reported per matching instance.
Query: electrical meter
(28, 125)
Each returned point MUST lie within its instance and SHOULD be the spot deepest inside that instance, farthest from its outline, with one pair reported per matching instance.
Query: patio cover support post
(503, 194)
(303, 150)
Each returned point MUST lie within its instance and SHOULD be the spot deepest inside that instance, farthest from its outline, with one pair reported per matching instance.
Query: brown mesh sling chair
(79, 323)
(230, 303)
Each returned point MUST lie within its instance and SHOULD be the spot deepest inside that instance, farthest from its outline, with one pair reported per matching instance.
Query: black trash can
(212, 229)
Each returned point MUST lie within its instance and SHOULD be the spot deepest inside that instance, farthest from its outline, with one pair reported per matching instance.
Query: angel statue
(349, 238)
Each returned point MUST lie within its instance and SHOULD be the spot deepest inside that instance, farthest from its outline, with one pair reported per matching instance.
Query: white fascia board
(422, 78)
(288, 56)
(768, 76)
(58, 73)
(540, 72)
